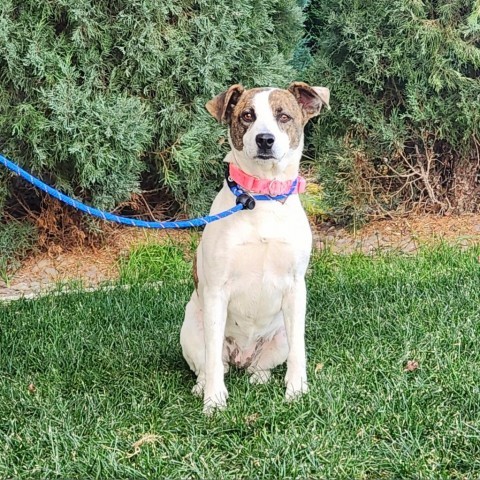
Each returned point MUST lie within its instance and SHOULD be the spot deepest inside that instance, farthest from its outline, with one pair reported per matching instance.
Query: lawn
(93, 385)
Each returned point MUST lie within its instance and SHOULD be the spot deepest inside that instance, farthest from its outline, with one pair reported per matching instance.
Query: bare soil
(87, 265)
(402, 234)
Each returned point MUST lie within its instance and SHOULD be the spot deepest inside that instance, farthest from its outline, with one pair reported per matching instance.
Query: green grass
(107, 369)
(154, 262)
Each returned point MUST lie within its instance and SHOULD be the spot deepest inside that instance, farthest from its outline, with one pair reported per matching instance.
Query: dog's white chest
(270, 255)
(255, 259)
(262, 272)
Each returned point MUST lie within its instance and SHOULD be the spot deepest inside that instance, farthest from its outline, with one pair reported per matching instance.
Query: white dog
(248, 308)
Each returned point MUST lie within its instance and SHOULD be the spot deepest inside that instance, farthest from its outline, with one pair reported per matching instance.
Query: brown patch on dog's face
(238, 125)
(288, 115)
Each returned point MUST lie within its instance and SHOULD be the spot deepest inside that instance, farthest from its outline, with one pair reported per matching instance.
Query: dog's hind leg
(192, 341)
(272, 353)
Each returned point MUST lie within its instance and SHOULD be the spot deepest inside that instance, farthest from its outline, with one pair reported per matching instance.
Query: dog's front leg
(215, 315)
(294, 310)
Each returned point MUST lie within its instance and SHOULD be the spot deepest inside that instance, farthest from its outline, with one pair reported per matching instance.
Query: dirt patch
(87, 264)
(403, 234)
(92, 266)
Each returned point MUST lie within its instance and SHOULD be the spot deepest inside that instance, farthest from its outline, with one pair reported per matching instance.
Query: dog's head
(266, 124)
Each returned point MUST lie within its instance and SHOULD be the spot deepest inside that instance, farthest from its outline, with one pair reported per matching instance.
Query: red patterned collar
(266, 187)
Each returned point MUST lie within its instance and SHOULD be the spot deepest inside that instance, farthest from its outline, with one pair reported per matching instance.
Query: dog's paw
(260, 377)
(296, 387)
(198, 388)
(215, 401)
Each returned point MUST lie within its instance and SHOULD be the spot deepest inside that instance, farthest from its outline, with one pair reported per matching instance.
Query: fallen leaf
(318, 367)
(411, 366)
(249, 419)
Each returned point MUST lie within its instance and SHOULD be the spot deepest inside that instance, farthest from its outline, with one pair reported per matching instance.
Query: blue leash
(244, 201)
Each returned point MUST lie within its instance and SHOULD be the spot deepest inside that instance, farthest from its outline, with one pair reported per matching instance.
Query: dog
(249, 303)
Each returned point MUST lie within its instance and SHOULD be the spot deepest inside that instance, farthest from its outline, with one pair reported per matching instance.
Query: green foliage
(405, 120)
(95, 92)
(16, 240)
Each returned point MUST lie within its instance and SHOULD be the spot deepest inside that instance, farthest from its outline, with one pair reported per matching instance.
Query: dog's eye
(247, 117)
(284, 118)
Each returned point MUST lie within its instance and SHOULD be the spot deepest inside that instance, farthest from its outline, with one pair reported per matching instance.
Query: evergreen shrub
(17, 239)
(95, 94)
(403, 132)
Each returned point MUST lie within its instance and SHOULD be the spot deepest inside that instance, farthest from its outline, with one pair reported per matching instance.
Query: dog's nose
(265, 141)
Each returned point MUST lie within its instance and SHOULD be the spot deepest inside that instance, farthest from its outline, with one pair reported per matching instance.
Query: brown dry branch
(148, 438)
(426, 177)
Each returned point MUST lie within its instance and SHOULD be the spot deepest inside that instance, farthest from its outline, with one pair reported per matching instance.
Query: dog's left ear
(310, 99)
(221, 107)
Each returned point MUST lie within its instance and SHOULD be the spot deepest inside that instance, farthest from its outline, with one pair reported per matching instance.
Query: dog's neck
(284, 170)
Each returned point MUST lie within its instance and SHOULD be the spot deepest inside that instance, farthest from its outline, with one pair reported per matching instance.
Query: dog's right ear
(221, 107)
